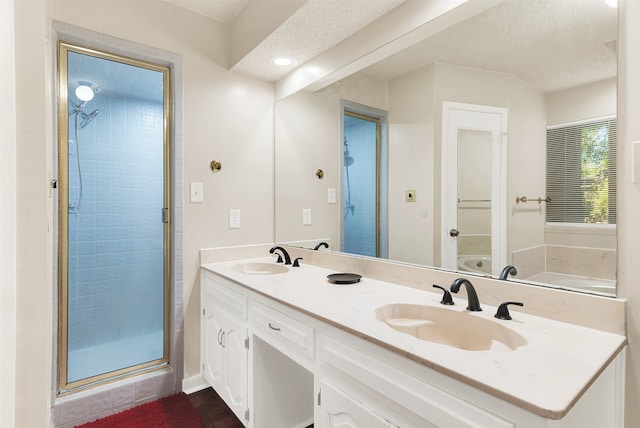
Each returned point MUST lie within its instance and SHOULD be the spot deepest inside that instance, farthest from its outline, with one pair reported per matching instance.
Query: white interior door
(473, 138)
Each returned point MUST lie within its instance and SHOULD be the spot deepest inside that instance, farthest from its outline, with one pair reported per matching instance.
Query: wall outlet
(234, 219)
(306, 216)
(196, 191)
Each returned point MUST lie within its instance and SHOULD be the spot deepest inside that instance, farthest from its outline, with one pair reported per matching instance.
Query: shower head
(87, 118)
(348, 160)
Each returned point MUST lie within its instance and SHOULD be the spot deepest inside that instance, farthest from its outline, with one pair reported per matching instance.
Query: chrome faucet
(508, 269)
(472, 297)
(287, 259)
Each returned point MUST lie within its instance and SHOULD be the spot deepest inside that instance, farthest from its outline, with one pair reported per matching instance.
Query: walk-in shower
(113, 222)
(364, 183)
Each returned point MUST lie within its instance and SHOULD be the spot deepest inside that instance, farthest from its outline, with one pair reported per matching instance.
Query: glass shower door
(113, 222)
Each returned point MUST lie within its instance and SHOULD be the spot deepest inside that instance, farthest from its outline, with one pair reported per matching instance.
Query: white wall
(8, 174)
(308, 135)
(34, 206)
(583, 102)
(629, 196)
(226, 117)
(412, 166)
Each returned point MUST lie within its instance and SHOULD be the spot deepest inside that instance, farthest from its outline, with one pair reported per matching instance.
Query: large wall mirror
(498, 148)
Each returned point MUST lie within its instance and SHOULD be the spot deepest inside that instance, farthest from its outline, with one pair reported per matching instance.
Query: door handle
(454, 232)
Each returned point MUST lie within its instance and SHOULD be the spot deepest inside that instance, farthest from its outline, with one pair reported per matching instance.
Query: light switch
(197, 193)
(306, 216)
(234, 219)
(331, 196)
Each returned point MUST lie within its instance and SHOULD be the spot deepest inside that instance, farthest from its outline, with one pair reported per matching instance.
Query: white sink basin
(255, 268)
(460, 330)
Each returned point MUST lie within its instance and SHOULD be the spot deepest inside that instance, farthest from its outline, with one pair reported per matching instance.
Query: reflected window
(581, 172)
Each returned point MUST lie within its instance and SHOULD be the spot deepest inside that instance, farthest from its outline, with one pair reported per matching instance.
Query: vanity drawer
(281, 330)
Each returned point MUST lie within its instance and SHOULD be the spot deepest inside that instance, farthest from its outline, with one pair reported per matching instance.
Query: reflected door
(361, 187)
(474, 188)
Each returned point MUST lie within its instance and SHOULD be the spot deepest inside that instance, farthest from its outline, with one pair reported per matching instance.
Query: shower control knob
(454, 232)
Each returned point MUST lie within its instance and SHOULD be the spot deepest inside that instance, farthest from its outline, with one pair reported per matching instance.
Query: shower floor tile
(131, 351)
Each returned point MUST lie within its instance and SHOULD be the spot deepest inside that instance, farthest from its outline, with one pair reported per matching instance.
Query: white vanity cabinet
(225, 343)
(277, 366)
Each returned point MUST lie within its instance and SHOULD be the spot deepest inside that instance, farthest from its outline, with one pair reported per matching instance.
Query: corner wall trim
(194, 384)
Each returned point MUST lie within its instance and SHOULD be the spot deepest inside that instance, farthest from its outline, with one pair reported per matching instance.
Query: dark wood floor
(214, 412)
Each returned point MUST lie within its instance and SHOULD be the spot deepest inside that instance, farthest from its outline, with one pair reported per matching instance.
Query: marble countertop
(559, 357)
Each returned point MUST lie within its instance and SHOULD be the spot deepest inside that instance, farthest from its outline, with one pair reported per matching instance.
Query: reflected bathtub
(576, 282)
(475, 264)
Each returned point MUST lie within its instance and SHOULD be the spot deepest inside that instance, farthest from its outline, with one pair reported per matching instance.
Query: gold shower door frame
(63, 386)
(378, 124)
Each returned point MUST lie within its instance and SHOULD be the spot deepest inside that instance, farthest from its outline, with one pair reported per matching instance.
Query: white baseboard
(194, 384)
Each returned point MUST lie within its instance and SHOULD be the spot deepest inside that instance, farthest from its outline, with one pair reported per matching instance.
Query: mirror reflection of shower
(84, 93)
(348, 161)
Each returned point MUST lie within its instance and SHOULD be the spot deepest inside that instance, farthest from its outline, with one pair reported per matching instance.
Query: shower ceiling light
(282, 61)
(84, 93)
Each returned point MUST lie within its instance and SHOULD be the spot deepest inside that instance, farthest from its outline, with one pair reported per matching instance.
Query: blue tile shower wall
(360, 224)
(116, 239)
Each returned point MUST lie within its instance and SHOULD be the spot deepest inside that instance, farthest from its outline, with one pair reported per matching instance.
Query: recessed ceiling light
(282, 61)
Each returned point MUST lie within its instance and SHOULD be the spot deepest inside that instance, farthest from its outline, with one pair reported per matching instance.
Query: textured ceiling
(317, 26)
(223, 11)
(310, 30)
(550, 44)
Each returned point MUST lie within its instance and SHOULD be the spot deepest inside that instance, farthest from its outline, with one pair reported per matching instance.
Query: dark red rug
(174, 411)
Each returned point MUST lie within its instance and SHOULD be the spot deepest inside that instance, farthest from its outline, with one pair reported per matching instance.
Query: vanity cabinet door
(225, 357)
(213, 352)
(235, 365)
(225, 342)
(339, 410)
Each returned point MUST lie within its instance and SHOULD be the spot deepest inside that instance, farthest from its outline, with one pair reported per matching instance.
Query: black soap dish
(344, 278)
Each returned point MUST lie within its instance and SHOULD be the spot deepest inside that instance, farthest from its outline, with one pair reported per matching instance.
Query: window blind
(581, 172)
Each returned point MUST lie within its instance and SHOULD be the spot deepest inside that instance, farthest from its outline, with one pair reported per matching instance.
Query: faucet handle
(296, 263)
(279, 258)
(503, 310)
(446, 297)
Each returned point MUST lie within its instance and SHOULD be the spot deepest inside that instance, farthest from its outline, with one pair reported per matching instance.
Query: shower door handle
(454, 233)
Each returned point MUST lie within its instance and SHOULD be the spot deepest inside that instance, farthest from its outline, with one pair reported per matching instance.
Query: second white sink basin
(255, 268)
(460, 330)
